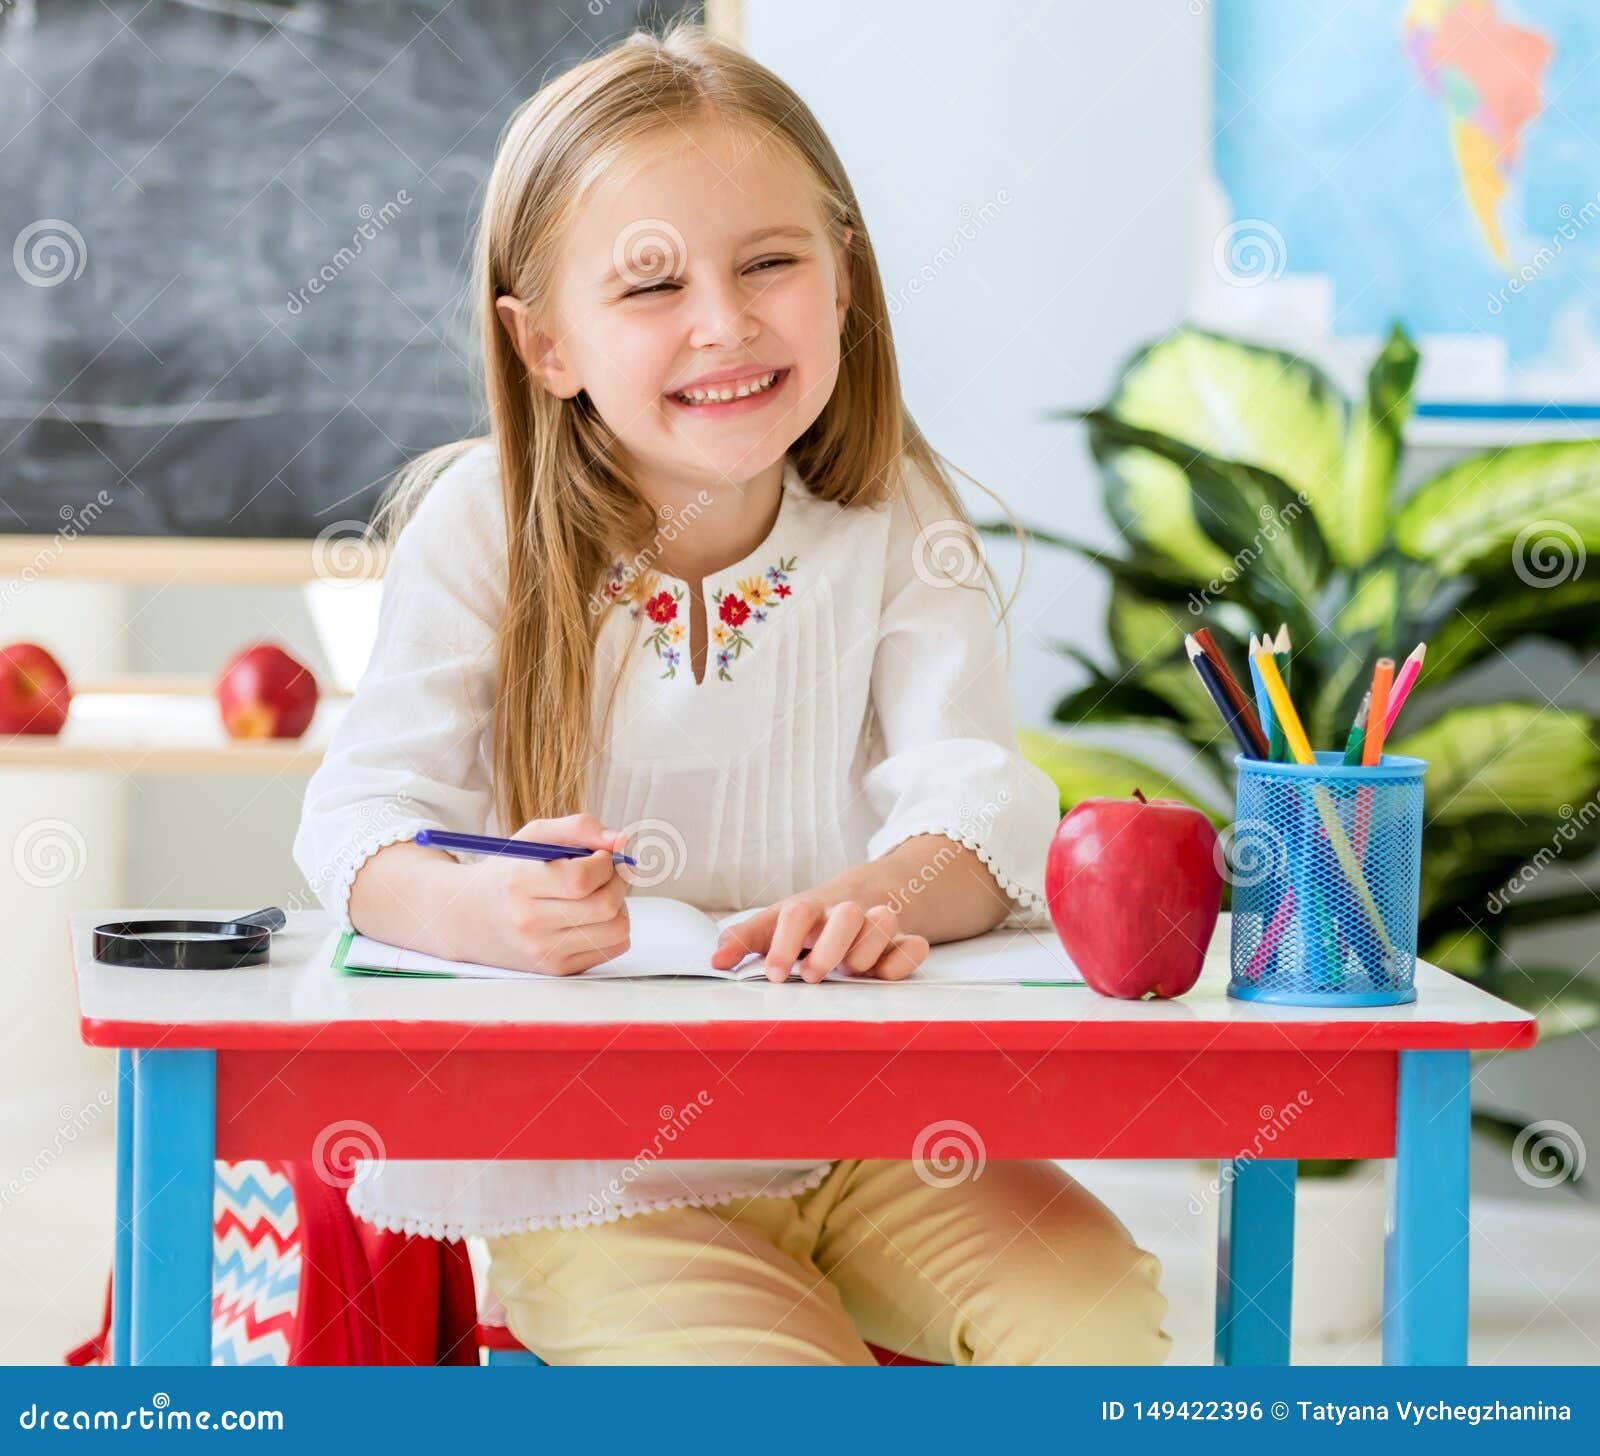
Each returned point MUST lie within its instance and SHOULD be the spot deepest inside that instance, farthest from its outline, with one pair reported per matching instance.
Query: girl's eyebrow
(786, 230)
(783, 230)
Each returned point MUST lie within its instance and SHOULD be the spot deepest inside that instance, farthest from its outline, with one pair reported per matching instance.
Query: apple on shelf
(263, 692)
(1134, 886)
(34, 693)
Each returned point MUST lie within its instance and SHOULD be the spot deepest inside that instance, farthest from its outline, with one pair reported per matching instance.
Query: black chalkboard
(238, 238)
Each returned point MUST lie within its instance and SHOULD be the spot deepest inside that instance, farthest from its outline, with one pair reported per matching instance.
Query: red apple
(1134, 886)
(33, 690)
(264, 693)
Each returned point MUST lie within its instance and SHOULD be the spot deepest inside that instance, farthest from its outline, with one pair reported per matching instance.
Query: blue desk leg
(1425, 1248)
(174, 1149)
(122, 1254)
(1255, 1261)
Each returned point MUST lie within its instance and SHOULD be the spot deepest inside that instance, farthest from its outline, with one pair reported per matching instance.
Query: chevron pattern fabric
(256, 1264)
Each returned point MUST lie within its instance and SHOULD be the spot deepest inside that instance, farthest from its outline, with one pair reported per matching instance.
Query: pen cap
(1325, 866)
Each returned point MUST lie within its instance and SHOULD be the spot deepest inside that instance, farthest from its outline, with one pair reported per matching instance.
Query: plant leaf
(1083, 772)
(1115, 700)
(1474, 869)
(1493, 616)
(1263, 527)
(1518, 759)
(1356, 519)
(1150, 501)
(1520, 913)
(1240, 401)
(1144, 631)
(1532, 508)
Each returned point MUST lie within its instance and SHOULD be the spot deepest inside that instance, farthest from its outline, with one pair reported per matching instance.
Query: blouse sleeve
(942, 698)
(409, 752)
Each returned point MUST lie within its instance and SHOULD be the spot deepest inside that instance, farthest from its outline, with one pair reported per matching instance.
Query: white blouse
(855, 694)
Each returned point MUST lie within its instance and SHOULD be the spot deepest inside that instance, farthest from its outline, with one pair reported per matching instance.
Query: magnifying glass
(189, 945)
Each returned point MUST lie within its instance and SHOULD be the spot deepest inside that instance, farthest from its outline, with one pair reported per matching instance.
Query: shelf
(173, 732)
(190, 560)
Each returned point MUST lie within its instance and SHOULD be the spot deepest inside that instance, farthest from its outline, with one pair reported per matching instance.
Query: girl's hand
(558, 917)
(866, 942)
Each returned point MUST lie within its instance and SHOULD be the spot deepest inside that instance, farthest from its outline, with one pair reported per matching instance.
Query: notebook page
(668, 937)
(999, 958)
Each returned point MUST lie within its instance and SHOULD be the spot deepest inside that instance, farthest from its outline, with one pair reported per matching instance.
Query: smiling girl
(706, 593)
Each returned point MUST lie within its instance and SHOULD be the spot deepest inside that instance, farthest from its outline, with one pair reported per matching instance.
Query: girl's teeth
(719, 396)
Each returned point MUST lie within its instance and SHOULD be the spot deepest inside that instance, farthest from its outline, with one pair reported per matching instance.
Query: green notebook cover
(347, 970)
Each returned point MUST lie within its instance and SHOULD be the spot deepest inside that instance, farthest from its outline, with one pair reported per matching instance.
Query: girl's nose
(721, 317)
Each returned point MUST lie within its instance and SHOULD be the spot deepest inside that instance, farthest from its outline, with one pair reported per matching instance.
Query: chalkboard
(238, 235)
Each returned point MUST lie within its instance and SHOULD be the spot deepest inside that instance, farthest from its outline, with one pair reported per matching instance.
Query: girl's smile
(744, 394)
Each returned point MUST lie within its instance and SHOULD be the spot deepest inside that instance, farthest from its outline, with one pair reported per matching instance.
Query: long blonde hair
(568, 507)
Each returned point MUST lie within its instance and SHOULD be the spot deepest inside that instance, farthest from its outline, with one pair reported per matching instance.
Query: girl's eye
(653, 288)
(664, 286)
(770, 263)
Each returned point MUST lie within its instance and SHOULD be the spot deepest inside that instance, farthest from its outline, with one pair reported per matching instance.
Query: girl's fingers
(747, 937)
(872, 941)
(905, 954)
(840, 927)
(796, 918)
(565, 879)
(863, 942)
(592, 945)
(582, 830)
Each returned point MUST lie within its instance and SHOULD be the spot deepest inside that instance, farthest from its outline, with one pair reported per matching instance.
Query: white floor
(1535, 1264)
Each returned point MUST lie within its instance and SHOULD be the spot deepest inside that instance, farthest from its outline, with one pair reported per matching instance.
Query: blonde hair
(568, 508)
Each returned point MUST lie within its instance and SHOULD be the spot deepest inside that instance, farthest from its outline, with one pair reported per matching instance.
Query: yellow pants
(1018, 1266)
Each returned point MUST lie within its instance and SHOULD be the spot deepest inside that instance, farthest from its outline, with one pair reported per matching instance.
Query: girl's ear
(540, 354)
(843, 273)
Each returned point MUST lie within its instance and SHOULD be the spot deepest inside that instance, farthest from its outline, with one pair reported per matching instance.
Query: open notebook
(670, 938)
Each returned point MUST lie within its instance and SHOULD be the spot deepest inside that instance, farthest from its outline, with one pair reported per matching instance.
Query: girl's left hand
(865, 941)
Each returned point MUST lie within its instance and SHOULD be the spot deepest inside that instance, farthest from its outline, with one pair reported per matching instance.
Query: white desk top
(299, 1001)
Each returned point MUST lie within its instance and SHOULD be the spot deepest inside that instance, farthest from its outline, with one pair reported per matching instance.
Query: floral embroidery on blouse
(750, 602)
(647, 598)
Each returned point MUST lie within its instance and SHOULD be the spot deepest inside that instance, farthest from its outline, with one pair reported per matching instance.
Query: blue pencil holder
(1326, 869)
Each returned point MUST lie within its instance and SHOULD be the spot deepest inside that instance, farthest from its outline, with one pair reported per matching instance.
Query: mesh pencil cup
(1327, 862)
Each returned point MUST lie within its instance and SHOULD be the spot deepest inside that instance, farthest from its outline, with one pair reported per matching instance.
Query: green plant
(1248, 491)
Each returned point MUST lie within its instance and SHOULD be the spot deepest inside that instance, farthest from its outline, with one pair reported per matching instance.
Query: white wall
(1091, 120)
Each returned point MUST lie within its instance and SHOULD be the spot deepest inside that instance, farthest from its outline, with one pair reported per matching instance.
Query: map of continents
(1435, 162)
(1487, 73)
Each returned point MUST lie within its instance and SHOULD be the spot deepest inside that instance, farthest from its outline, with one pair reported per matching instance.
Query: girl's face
(706, 270)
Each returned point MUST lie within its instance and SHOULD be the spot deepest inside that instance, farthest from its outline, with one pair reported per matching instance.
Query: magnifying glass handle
(272, 918)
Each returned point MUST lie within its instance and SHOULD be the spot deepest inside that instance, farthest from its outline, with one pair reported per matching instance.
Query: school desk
(281, 1060)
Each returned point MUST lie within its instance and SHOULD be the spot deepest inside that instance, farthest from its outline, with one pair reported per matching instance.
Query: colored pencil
(1372, 749)
(1378, 714)
(1329, 971)
(1263, 703)
(1272, 935)
(1230, 685)
(1283, 710)
(1358, 732)
(1337, 837)
(1248, 746)
(1409, 672)
(1279, 648)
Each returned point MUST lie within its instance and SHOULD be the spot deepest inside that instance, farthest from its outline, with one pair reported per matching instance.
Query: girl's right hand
(558, 917)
